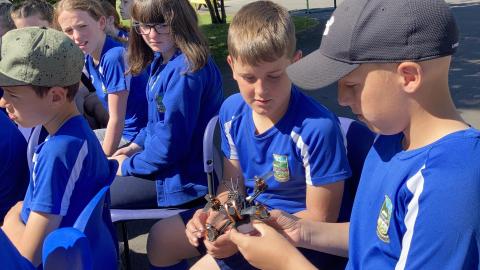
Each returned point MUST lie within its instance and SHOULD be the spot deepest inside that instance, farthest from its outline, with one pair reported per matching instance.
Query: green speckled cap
(39, 56)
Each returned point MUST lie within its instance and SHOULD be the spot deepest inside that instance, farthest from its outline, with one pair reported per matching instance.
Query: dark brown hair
(43, 90)
(33, 7)
(182, 19)
(5, 18)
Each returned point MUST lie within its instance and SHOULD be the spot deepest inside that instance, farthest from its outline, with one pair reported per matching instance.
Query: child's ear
(57, 95)
(411, 75)
(230, 63)
(102, 22)
(297, 56)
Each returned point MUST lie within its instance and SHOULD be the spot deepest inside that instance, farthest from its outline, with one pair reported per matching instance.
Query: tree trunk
(215, 7)
(222, 9)
(216, 16)
(215, 19)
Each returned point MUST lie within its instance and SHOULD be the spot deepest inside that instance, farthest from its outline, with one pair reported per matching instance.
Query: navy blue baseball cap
(377, 31)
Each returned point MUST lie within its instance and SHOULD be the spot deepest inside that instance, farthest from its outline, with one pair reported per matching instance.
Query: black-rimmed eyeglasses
(145, 28)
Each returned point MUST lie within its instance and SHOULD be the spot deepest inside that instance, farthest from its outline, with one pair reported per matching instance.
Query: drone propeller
(265, 176)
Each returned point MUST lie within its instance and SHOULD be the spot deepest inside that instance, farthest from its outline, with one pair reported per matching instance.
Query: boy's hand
(288, 225)
(270, 250)
(119, 159)
(128, 151)
(195, 228)
(222, 247)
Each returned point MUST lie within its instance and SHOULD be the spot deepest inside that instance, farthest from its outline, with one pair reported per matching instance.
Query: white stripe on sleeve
(233, 150)
(77, 169)
(415, 185)
(297, 139)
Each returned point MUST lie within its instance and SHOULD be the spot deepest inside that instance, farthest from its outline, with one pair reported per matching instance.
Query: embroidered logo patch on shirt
(104, 89)
(160, 106)
(383, 221)
(280, 168)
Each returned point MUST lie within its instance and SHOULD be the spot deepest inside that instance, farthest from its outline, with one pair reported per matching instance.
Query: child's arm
(231, 173)
(325, 170)
(323, 202)
(168, 141)
(117, 107)
(28, 238)
(263, 251)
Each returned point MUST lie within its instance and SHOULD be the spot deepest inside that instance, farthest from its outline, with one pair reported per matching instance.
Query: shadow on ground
(137, 236)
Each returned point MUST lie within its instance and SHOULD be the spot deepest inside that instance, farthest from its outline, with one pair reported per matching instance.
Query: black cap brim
(316, 71)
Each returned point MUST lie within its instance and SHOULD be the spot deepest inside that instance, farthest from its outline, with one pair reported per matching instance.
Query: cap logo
(328, 24)
(455, 45)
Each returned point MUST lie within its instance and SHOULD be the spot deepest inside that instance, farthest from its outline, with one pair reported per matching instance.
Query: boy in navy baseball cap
(415, 204)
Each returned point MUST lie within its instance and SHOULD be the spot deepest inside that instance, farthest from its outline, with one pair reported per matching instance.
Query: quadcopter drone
(238, 209)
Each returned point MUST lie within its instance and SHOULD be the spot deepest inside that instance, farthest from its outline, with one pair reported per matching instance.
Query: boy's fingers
(197, 225)
(275, 213)
(262, 228)
(236, 237)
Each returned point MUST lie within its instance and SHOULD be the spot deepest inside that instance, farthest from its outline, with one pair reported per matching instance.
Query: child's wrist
(295, 260)
(305, 239)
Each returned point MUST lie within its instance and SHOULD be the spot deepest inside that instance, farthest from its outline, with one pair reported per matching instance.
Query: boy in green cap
(40, 70)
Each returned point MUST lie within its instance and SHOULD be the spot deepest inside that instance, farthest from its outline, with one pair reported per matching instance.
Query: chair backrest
(212, 163)
(91, 242)
(67, 248)
(358, 140)
(95, 223)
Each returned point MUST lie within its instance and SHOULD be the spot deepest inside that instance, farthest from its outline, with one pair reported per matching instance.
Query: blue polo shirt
(180, 104)
(418, 209)
(10, 257)
(69, 168)
(14, 171)
(304, 148)
(1, 95)
(109, 77)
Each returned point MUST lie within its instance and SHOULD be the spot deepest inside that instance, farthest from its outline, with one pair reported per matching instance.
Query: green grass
(216, 35)
(303, 23)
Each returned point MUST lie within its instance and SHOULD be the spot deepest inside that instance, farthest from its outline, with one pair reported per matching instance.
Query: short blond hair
(261, 31)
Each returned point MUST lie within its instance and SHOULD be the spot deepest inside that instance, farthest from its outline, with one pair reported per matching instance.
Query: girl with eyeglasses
(105, 62)
(163, 166)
